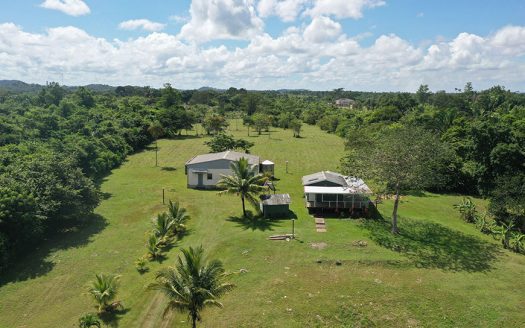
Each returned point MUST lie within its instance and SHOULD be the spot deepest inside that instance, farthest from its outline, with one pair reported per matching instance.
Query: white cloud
(69, 7)
(295, 59)
(179, 19)
(322, 29)
(287, 10)
(144, 24)
(221, 19)
(342, 8)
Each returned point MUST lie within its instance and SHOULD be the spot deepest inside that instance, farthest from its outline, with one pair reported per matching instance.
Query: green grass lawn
(443, 273)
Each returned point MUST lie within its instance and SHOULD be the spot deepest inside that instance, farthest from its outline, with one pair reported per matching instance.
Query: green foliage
(507, 202)
(179, 216)
(89, 320)
(103, 290)
(174, 119)
(402, 158)
(141, 264)
(193, 284)
(169, 96)
(153, 247)
(467, 210)
(296, 126)
(244, 182)
(163, 229)
(261, 122)
(222, 142)
(214, 123)
(51, 94)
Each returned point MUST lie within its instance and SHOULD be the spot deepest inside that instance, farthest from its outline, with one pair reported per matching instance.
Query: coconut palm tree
(89, 320)
(179, 217)
(163, 228)
(153, 246)
(104, 289)
(243, 182)
(192, 284)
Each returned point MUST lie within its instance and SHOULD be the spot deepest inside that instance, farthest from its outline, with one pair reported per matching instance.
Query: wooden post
(163, 196)
(286, 166)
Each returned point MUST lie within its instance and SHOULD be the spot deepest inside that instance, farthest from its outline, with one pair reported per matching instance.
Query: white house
(204, 171)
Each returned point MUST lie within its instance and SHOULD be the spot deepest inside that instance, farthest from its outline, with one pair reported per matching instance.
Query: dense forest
(57, 143)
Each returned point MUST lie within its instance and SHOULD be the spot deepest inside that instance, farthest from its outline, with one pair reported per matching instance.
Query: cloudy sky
(378, 45)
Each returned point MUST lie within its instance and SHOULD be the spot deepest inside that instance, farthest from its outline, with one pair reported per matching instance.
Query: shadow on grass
(251, 222)
(111, 319)
(169, 168)
(431, 245)
(37, 262)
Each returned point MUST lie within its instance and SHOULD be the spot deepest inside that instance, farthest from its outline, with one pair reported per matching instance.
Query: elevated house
(334, 191)
(204, 171)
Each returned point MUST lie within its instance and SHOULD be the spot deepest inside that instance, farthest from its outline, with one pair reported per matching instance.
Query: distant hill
(15, 86)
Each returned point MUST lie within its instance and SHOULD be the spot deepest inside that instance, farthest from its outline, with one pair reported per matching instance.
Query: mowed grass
(440, 272)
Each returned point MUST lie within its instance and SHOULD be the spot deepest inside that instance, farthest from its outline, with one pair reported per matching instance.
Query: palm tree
(156, 130)
(179, 217)
(163, 226)
(89, 320)
(192, 284)
(153, 246)
(104, 289)
(244, 182)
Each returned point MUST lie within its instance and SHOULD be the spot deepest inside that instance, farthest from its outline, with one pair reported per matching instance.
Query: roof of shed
(324, 176)
(277, 199)
(229, 155)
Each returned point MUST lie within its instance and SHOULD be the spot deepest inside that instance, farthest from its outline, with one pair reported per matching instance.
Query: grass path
(285, 284)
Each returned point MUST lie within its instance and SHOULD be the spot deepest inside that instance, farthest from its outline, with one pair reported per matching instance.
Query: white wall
(193, 178)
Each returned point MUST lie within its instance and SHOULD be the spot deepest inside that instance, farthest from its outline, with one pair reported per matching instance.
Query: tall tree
(244, 182)
(402, 158)
(192, 284)
(156, 130)
(296, 125)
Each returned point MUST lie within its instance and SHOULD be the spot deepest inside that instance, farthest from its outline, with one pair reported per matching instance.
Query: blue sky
(259, 44)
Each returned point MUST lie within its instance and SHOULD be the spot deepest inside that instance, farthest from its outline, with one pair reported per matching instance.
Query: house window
(209, 176)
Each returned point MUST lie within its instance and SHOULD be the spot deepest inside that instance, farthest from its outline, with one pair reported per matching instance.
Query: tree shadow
(111, 319)
(36, 262)
(251, 222)
(168, 168)
(434, 246)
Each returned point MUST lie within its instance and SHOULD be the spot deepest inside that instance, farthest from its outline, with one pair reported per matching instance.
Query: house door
(200, 181)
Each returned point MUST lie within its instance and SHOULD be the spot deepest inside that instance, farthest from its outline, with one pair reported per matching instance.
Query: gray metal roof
(324, 176)
(229, 155)
(277, 199)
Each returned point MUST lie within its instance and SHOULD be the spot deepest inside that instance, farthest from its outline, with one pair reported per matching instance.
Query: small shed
(267, 166)
(275, 205)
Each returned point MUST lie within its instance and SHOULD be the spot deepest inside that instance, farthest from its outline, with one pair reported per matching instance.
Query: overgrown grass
(440, 272)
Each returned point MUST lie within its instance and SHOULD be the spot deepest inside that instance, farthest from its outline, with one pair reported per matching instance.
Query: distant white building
(205, 171)
(345, 102)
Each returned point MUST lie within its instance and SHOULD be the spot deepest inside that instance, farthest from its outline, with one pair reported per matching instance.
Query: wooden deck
(320, 224)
